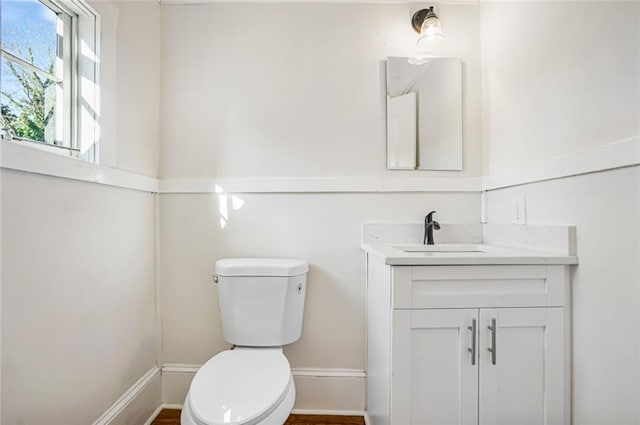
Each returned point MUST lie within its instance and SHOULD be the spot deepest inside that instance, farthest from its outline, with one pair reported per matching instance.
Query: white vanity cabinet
(468, 344)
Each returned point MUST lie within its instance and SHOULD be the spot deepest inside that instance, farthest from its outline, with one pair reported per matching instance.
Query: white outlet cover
(519, 211)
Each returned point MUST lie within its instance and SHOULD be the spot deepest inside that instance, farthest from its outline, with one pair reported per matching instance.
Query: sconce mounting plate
(418, 19)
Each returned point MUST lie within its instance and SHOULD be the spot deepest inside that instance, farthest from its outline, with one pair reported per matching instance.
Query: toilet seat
(239, 386)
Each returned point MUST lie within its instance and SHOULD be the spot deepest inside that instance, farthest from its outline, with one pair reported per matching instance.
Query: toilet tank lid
(261, 267)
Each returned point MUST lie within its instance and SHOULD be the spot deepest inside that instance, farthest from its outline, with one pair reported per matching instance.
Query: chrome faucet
(429, 226)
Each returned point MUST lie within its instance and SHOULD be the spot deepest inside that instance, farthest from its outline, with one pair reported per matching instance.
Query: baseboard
(294, 411)
(327, 412)
(367, 421)
(296, 371)
(317, 390)
(333, 413)
(140, 399)
(155, 414)
(172, 406)
(330, 391)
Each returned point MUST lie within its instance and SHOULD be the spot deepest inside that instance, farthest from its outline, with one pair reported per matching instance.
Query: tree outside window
(31, 84)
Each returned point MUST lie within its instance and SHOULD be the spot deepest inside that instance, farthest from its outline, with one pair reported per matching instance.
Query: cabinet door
(434, 377)
(522, 369)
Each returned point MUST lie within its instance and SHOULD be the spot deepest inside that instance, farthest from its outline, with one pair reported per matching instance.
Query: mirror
(424, 114)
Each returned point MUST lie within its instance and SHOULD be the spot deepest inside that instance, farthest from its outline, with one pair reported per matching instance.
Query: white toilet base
(277, 417)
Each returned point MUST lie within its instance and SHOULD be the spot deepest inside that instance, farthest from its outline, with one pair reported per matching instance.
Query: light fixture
(427, 24)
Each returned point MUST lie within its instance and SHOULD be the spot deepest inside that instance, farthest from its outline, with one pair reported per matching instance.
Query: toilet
(261, 304)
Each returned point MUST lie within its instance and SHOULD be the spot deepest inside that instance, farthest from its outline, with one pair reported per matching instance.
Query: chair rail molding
(620, 154)
(345, 184)
(15, 156)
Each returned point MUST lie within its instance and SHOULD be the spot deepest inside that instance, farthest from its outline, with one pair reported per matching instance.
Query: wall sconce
(427, 24)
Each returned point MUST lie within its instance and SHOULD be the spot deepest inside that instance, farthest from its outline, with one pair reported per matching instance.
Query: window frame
(79, 131)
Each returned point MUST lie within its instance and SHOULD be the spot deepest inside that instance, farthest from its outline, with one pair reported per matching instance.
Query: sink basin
(444, 248)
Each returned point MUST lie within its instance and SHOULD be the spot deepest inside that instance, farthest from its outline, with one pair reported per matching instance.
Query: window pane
(30, 31)
(31, 104)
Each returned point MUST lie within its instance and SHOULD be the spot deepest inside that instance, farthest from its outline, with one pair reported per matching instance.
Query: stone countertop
(399, 254)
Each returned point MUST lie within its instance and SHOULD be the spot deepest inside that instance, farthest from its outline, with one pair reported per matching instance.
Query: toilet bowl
(245, 386)
(261, 304)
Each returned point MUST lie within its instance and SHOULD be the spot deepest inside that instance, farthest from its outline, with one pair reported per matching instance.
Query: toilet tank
(261, 300)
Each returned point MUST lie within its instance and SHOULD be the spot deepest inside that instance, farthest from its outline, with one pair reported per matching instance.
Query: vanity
(471, 332)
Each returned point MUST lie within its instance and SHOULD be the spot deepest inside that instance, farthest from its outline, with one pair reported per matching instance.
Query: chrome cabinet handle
(472, 350)
(493, 348)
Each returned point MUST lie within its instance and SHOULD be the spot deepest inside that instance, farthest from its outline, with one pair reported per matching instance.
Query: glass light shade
(418, 59)
(430, 32)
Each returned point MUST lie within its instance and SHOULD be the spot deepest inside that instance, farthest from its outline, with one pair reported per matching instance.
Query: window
(48, 48)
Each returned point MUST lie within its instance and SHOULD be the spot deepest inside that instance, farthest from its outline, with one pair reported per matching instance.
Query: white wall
(553, 86)
(558, 77)
(254, 91)
(323, 228)
(294, 89)
(606, 284)
(138, 93)
(130, 85)
(78, 307)
(78, 297)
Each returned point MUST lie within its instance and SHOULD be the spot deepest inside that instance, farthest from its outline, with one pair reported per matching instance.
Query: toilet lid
(238, 386)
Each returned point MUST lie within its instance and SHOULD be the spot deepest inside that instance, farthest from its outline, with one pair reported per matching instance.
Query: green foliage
(27, 113)
(7, 118)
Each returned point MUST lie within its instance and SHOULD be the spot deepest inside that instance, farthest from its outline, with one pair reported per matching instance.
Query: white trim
(624, 153)
(15, 156)
(308, 372)
(322, 185)
(329, 373)
(180, 368)
(171, 406)
(321, 389)
(327, 412)
(154, 414)
(367, 421)
(31, 67)
(134, 391)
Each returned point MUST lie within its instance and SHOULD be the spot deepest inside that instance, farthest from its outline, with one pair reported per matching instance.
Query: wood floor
(172, 417)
